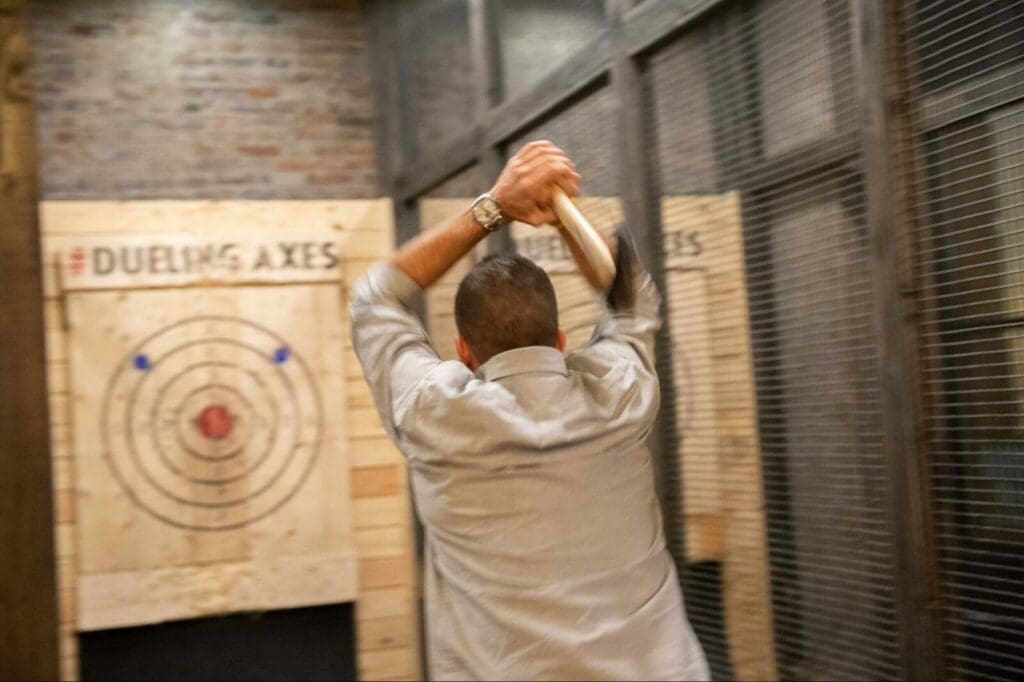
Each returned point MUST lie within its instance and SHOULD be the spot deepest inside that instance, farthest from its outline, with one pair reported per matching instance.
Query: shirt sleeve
(392, 346)
(630, 333)
(620, 354)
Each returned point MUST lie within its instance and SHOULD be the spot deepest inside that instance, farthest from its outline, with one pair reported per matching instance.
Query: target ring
(212, 423)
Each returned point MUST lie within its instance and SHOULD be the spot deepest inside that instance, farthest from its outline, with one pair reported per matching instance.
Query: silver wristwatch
(487, 212)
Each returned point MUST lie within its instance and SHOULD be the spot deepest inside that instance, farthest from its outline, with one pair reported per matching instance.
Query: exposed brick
(234, 99)
(259, 150)
(262, 93)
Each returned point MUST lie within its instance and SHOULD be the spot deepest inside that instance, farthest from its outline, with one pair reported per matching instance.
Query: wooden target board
(208, 424)
(579, 307)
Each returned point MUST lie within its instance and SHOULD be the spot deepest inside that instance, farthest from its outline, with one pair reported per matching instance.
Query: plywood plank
(56, 350)
(388, 663)
(59, 412)
(64, 538)
(354, 268)
(383, 541)
(110, 600)
(358, 394)
(374, 451)
(57, 377)
(365, 423)
(397, 632)
(376, 481)
(384, 603)
(705, 537)
(69, 663)
(353, 370)
(371, 219)
(64, 506)
(389, 571)
(68, 612)
(377, 512)
(63, 474)
(144, 506)
(693, 370)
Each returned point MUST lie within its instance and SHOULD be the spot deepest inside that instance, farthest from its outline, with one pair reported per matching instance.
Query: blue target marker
(281, 355)
(141, 362)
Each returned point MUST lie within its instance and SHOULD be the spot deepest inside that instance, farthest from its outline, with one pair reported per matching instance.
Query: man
(545, 555)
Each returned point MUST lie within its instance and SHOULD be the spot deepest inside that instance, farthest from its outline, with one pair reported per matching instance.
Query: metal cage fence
(829, 194)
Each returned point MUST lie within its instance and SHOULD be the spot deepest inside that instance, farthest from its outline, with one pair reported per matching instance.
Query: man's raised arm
(391, 344)
(522, 192)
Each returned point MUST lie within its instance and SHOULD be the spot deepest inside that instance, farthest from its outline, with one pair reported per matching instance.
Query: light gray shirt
(545, 556)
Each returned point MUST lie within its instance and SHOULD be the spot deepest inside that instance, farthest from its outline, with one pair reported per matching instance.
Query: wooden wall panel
(380, 514)
(579, 307)
(28, 601)
(280, 534)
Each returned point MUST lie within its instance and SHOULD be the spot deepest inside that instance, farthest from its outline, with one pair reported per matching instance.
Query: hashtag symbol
(77, 261)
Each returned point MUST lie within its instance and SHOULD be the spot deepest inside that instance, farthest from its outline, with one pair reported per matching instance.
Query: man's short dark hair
(506, 302)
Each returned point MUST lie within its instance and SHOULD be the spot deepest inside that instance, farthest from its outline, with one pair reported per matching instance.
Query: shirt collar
(542, 359)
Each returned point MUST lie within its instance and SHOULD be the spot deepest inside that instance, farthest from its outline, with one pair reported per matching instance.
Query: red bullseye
(214, 422)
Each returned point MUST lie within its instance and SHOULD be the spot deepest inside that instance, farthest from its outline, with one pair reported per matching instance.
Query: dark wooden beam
(395, 140)
(580, 74)
(382, 18)
(501, 123)
(640, 207)
(642, 29)
(485, 48)
(556, 91)
(890, 238)
(806, 160)
(485, 43)
(28, 592)
(656, 21)
(995, 92)
(419, 177)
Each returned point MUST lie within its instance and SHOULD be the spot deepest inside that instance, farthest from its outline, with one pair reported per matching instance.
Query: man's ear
(465, 353)
(560, 341)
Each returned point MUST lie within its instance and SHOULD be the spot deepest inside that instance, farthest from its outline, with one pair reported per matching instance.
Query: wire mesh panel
(782, 515)
(966, 63)
(537, 36)
(784, 489)
(437, 73)
(712, 410)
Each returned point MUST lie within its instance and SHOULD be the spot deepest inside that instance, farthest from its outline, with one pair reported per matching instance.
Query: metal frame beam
(641, 29)
(486, 50)
(890, 240)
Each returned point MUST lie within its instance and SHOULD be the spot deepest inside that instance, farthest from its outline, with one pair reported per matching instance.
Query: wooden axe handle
(589, 239)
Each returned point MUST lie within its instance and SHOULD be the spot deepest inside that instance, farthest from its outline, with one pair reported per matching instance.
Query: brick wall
(221, 99)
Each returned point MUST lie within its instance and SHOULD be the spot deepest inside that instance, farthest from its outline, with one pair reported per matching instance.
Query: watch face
(486, 212)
